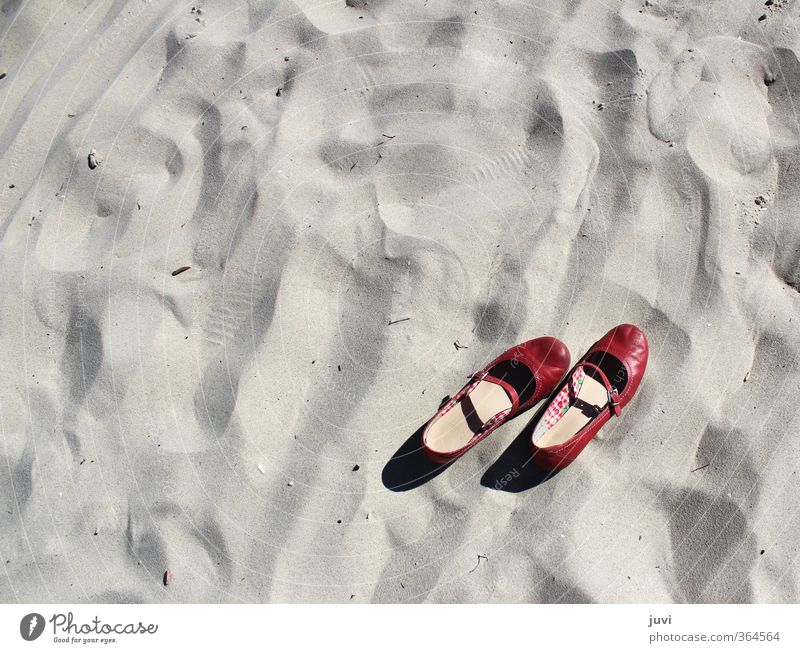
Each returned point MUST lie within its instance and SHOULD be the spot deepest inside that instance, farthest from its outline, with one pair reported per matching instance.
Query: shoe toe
(626, 338)
(547, 352)
(632, 338)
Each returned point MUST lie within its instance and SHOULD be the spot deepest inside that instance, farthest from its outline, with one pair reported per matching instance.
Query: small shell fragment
(167, 578)
(261, 468)
(93, 159)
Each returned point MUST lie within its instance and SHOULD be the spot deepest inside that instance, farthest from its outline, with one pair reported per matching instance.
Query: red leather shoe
(600, 385)
(509, 385)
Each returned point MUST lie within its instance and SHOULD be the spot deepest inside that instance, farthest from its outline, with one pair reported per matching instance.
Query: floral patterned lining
(560, 404)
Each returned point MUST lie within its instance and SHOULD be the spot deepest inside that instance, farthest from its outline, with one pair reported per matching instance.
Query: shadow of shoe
(515, 470)
(409, 467)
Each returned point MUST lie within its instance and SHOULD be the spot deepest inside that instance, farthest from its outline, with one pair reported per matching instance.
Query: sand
(371, 201)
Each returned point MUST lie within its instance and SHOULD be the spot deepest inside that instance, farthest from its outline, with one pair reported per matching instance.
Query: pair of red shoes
(600, 384)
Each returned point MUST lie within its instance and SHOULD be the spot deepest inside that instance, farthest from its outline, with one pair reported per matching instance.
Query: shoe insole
(454, 430)
(591, 394)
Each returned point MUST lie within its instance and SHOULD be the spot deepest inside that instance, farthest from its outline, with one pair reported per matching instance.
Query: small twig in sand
(180, 270)
(353, 166)
(167, 578)
(458, 345)
(387, 136)
(702, 467)
(391, 322)
(480, 557)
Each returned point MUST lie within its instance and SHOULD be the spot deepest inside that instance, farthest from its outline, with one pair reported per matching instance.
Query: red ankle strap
(613, 393)
(511, 391)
